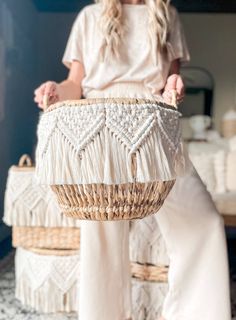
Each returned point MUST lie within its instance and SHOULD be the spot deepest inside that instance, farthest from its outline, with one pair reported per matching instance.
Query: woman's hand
(173, 83)
(47, 94)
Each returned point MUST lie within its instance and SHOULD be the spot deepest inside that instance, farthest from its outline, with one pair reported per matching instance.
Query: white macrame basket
(149, 268)
(47, 281)
(109, 158)
(28, 204)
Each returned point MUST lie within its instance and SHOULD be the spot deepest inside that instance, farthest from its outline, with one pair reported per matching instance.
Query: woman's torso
(136, 75)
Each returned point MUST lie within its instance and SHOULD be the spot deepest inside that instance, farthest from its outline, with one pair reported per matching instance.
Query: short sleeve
(74, 47)
(176, 44)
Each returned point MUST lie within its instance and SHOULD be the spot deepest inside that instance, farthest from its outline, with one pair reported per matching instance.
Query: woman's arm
(175, 67)
(174, 82)
(70, 88)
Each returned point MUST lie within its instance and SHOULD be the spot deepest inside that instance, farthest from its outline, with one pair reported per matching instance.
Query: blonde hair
(113, 29)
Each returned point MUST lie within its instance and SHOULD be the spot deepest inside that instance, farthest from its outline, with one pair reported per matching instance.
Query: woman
(133, 49)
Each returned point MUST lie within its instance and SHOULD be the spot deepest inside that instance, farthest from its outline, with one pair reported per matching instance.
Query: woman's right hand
(47, 94)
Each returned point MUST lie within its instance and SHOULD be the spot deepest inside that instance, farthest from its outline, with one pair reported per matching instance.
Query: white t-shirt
(137, 65)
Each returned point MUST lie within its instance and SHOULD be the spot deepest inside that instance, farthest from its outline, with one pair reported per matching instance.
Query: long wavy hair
(113, 28)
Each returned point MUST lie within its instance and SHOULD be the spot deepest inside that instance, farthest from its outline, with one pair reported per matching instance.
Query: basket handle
(174, 98)
(25, 161)
(45, 102)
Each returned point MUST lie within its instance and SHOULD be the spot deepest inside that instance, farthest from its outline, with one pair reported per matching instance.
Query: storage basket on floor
(46, 238)
(29, 204)
(109, 158)
(149, 268)
(47, 281)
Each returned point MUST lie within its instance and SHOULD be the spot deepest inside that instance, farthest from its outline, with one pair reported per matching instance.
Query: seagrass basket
(149, 272)
(46, 238)
(109, 158)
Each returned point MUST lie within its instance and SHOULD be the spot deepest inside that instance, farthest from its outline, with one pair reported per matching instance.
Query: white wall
(212, 42)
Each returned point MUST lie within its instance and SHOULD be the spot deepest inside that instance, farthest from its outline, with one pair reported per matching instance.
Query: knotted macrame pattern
(93, 140)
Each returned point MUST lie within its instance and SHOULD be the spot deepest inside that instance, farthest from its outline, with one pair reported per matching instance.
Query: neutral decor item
(209, 159)
(231, 171)
(46, 238)
(47, 281)
(199, 124)
(109, 158)
(149, 268)
(148, 299)
(226, 204)
(229, 124)
(29, 204)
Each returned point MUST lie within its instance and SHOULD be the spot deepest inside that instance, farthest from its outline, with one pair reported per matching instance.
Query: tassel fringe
(28, 204)
(47, 283)
(96, 143)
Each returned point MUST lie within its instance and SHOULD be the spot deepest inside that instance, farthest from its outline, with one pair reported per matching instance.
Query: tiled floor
(11, 309)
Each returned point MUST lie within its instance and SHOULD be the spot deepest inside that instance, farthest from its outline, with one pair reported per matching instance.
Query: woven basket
(46, 238)
(28, 204)
(78, 157)
(149, 272)
(112, 202)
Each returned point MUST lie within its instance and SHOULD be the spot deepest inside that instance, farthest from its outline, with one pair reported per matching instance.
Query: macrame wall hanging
(109, 158)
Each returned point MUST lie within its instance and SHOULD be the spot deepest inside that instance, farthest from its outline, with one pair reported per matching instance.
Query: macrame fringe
(147, 244)
(62, 164)
(48, 298)
(94, 141)
(47, 283)
(16, 214)
(22, 210)
(148, 299)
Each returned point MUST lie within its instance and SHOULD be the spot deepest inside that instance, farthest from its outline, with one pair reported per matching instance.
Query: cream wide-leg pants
(198, 275)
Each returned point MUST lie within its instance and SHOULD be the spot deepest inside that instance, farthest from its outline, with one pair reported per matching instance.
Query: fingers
(49, 89)
(180, 87)
(46, 94)
(174, 82)
(168, 97)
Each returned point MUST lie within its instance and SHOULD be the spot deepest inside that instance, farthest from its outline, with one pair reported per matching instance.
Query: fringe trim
(48, 298)
(27, 204)
(50, 290)
(147, 244)
(104, 154)
(148, 299)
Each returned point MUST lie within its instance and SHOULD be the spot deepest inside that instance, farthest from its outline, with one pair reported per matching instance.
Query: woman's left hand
(174, 82)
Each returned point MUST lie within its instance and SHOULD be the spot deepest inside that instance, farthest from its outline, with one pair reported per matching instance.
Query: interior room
(41, 281)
